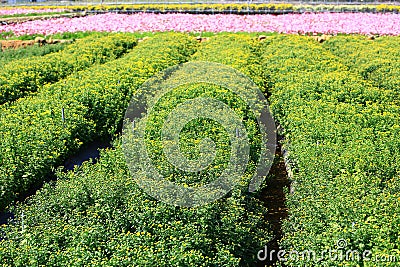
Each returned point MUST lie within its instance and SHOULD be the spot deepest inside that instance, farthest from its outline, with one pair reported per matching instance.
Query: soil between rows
(274, 199)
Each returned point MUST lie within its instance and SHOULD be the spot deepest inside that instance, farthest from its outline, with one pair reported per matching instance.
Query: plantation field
(337, 105)
(306, 23)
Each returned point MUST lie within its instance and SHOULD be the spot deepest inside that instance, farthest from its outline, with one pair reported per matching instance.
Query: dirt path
(274, 199)
(14, 44)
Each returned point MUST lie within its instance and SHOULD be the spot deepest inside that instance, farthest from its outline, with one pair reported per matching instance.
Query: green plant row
(239, 52)
(98, 216)
(64, 35)
(345, 7)
(33, 14)
(240, 7)
(231, 7)
(342, 140)
(37, 136)
(341, 133)
(375, 60)
(20, 77)
(13, 54)
(189, 7)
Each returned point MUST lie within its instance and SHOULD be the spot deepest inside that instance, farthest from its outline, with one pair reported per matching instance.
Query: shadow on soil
(86, 152)
(273, 197)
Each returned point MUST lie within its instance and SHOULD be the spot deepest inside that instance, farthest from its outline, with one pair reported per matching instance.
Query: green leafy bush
(20, 77)
(375, 60)
(34, 137)
(341, 130)
(13, 54)
(98, 216)
(341, 138)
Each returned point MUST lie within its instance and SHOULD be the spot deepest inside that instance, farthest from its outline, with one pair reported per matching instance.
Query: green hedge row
(238, 7)
(375, 60)
(20, 77)
(341, 133)
(342, 140)
(35, 139)
(98, 216)
(13, 54)
(343, 6)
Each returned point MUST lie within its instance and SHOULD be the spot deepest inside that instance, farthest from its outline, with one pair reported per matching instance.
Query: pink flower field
(27, 11)
(330, 23)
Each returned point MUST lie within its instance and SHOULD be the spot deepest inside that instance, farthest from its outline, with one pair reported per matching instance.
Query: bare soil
(273, 197)
(13, 44)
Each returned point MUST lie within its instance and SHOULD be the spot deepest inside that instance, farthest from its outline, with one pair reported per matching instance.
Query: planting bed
(337, 105)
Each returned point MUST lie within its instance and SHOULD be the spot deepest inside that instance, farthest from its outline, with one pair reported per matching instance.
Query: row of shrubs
(260, 8)
(376, 61)
(98, 216)
(23, 76)
(39, 132)
(235, 7)
(341, 133)
(9, 54)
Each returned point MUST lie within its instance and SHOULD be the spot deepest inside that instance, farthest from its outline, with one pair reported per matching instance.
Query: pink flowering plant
(310, 23)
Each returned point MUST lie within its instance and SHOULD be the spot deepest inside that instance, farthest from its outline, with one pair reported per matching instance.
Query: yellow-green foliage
(238, 53)
(35, 139)
(386, 7)
(341, 130)
(101, 217)
(188, 7)
(9, 55)
(342, 138)
(375, 60)
(20, 77)
(228, 7)
(242, 7)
